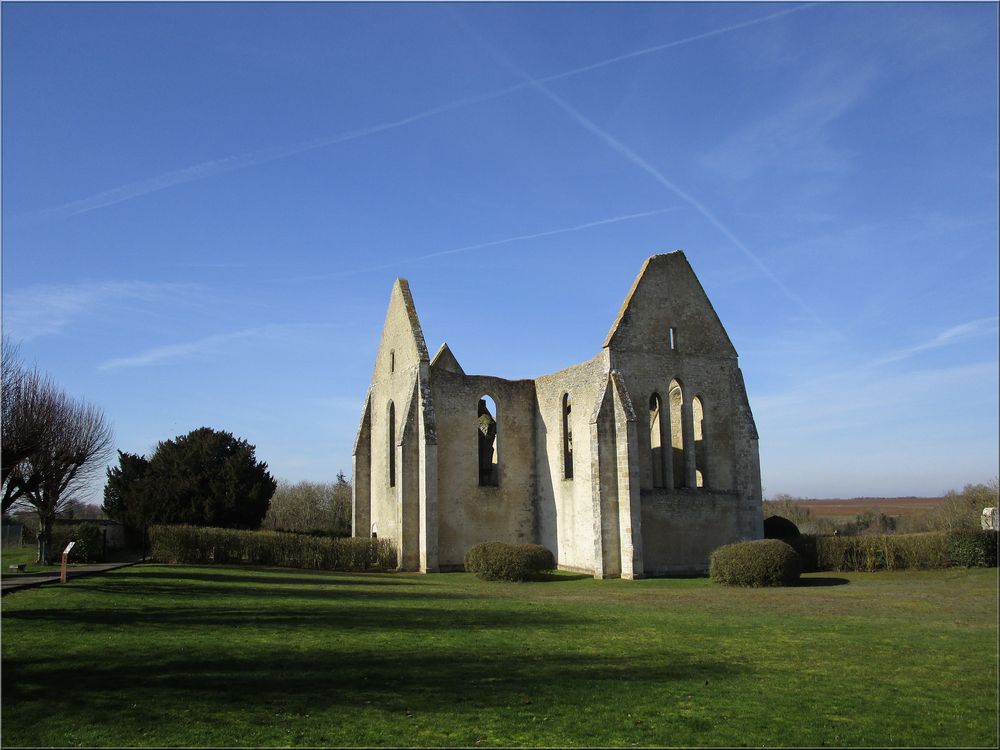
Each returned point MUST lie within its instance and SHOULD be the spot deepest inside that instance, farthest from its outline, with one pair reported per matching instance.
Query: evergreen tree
(208, 478)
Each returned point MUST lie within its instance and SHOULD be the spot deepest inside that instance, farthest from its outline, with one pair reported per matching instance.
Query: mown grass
(162, 655)
(23, 556)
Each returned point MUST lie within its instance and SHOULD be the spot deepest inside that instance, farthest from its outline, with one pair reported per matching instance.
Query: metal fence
(11, 535)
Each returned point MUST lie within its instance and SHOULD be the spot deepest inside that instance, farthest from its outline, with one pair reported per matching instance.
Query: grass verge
(181, 656)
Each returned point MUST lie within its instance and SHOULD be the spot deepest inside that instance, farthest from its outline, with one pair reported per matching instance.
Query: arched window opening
(656, 441)
(392, 360)
(392, 444)
(677, 432)
(567, 425)
(489, 474)
(700, 457)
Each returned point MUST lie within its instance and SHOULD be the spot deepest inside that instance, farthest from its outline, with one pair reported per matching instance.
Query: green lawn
(160, 655)
(25, 556)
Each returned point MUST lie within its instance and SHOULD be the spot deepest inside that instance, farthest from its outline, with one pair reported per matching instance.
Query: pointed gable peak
(445, 360)
(667, 308)
(402, 309)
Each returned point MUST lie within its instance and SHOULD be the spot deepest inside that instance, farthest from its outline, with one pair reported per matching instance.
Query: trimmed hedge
(764, 562)
(499, 561)
(207, 545)
(973, 549)
(873, 552)
(805, 545)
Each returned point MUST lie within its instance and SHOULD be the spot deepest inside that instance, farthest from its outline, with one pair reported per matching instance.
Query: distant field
(891, 506)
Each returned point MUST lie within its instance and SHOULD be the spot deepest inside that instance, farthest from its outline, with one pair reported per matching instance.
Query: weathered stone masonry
(640, 461)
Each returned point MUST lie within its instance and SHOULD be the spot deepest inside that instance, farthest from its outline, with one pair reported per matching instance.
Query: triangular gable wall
(402, 345)
(445, 360)
(666, 294)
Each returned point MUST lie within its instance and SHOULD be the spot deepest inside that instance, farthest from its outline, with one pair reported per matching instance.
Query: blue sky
(205, 205)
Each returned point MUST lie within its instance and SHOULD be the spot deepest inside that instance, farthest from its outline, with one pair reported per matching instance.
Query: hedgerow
(764, 562)
(874, 552)
(207, 545)
(973, 549)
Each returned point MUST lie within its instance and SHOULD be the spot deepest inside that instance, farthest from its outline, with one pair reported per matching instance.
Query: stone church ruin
(639, 461)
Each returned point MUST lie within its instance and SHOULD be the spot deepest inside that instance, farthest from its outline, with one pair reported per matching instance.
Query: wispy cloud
(216, 167)
(634, 158)
(858, 400)
(954, 335)
(821, 401)
(491, 243)
(797, 136)
(47, 309)
(162, 354)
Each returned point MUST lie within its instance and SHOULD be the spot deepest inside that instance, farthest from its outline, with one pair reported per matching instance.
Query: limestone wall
(393, 496)
(565, 512)
(681, 528)
(640, 501)
(467, 512)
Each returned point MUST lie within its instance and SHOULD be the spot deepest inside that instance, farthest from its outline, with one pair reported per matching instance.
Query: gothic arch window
(700, 444)
(676, 397)
(488, 438)
(656, 441)
(392, 444)
(567, 433)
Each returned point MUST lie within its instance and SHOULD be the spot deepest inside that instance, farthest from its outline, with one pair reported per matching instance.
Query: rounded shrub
(540, 558)
(765, 562)
(499, 561)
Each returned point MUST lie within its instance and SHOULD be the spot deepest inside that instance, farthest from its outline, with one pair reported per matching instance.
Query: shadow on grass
(279, 577)
(821, 581)
(397, 679)
(182, 594)
(183, 639)
(178, 620)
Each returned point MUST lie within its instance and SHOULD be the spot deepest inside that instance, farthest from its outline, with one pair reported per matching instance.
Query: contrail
(481, 245)
(217, 167)
(160, 354)
(253, 158)
(539, 85)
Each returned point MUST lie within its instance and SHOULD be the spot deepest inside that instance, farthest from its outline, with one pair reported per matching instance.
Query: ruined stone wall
(565, 511)
(467, 512)
(615, 515)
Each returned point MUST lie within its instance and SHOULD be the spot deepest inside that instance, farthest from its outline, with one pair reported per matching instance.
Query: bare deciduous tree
(29, 398)
(52, 445)
(311, 507)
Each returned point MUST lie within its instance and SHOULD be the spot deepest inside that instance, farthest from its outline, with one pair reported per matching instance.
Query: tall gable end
(667, 309)
(402, 346)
